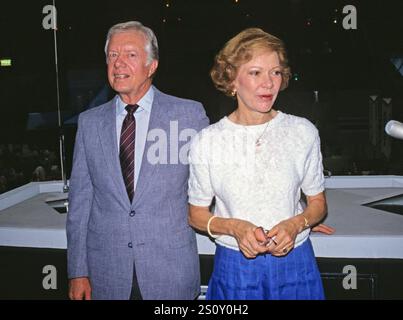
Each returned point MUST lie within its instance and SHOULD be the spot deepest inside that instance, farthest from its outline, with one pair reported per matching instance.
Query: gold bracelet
(208, 227)
(306, 226)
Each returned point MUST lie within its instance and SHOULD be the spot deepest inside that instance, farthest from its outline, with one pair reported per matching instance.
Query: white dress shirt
(260, 184)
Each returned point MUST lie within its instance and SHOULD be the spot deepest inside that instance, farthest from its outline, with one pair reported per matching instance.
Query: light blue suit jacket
(106, 234)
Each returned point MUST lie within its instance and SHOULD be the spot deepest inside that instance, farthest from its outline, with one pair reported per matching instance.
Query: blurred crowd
(21, 164)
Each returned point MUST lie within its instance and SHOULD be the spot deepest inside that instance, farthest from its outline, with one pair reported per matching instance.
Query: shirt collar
(145, 103)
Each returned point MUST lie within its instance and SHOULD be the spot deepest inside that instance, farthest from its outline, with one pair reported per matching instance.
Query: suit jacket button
(130, 245)
(132, 213)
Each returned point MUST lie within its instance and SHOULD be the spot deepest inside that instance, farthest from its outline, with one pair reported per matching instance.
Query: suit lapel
(107, 133)
(147, 170)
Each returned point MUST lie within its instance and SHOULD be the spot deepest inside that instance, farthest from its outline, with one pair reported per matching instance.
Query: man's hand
(323, 229)
(80, 289)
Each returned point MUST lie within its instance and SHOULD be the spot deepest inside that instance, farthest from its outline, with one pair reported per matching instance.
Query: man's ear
(153, 67)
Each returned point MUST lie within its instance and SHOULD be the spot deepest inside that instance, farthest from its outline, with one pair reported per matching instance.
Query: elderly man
(127, 229)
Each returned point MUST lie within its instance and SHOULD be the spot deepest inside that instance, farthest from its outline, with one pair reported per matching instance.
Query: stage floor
(27, 218)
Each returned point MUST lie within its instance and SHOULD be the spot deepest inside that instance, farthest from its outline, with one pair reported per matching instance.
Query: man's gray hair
(152, 44)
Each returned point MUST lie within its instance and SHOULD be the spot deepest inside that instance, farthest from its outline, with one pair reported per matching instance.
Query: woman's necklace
(260, 139)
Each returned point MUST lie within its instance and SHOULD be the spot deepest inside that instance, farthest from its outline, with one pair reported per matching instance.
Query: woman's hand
(284, 234)
(249, 241)
(286, 231)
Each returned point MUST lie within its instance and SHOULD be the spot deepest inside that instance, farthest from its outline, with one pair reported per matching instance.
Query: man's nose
(119, 61)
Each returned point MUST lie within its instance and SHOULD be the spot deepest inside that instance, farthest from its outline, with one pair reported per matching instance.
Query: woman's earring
(233, 93)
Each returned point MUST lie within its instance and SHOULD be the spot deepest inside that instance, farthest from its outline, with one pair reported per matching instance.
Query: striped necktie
(126, 151)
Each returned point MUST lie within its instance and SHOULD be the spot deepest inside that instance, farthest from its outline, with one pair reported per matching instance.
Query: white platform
(26, 220)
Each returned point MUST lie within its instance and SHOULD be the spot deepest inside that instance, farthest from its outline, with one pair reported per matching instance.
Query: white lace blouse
(261, 184)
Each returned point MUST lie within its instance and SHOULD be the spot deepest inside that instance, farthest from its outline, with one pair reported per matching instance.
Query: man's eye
(277, 73)
(254, 73)
(112, 55)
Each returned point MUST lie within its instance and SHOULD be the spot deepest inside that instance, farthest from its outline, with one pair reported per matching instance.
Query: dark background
(344, 66)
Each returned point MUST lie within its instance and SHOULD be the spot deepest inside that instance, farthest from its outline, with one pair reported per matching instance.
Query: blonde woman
(255, 162)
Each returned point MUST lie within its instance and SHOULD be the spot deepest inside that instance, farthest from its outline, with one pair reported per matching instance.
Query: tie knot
(131, 108)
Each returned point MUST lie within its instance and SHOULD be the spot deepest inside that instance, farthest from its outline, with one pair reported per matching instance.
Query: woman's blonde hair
(239, 50)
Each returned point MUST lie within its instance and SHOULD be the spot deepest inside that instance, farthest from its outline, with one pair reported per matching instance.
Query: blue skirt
(294, 276)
